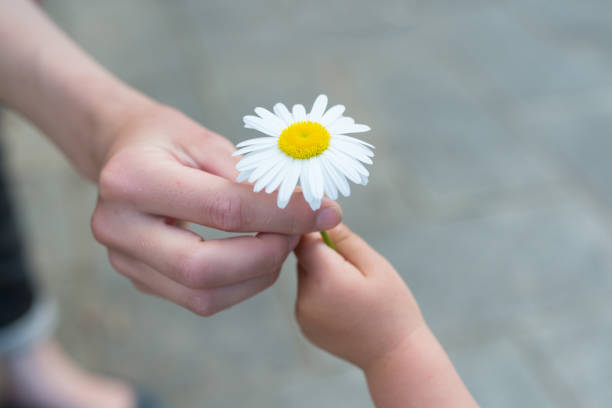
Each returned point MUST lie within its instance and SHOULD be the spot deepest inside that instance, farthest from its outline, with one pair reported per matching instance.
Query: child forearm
(47, 78)
(417, 374)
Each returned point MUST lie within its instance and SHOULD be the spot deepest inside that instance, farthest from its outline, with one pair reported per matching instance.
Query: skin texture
(155, 168)
(353, 304)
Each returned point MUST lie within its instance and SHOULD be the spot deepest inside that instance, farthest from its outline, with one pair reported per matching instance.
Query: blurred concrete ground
(491, 191)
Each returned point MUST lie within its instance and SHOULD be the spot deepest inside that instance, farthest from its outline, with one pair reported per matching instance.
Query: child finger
(355, 250)
(315, 256)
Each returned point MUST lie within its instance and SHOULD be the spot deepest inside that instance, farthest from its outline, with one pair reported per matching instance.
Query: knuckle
(120, 265)
(140, 287)
(114, 181)
(100, 226)
(271, 278)
(193, 271)
(274, 277)
(274, 255)
(202, 303)
(225, 213)
(277, 259)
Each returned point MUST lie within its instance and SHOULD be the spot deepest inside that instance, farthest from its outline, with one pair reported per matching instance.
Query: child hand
(352, 303)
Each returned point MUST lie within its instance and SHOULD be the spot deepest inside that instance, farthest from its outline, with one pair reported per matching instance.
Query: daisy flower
(312, 150)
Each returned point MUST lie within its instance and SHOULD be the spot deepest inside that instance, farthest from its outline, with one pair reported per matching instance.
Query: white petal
(318, 107)
(299, 113)
(353, 163)
(351, 149)
(332, 114)
(364, 180)
(309, 183)
(278, 179)
(331, 191)
(257, 140)
(362, 149)
(359, 128)
(262, 125)
(271, 118)
(243, 176)
(265, 166)
(353, 140)
(289, 183)
(342, 125)
(266, 178)
(283, 113)
(337, 177)
(253, 160)
(255, 147)
(344, 165)
(328, 183)
(360, 168)
(316, 178)
(315, 205)
(305, 182)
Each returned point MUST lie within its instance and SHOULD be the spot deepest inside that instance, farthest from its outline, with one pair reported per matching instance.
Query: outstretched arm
(47, 78)
(353, 304)
(417, 374)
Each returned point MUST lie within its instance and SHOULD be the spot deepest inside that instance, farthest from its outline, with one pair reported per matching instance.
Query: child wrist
(411, 343)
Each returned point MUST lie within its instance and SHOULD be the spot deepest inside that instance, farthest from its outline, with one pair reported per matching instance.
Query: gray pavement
(491, 191)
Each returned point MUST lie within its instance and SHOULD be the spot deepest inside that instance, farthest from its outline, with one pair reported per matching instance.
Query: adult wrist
(48, 79)
(92, 105)
(110, 115)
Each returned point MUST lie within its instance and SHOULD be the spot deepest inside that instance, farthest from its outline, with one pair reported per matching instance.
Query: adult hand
(161, 168)
(154, 166)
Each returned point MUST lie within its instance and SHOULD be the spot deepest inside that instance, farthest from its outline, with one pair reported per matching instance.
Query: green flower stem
(328, 241)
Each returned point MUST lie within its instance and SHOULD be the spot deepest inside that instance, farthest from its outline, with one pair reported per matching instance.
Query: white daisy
(311, 149)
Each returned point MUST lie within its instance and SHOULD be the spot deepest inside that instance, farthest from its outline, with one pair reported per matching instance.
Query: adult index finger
(171, 189)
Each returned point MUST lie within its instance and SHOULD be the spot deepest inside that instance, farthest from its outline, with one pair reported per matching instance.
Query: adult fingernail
(293, 241)
(328, 217)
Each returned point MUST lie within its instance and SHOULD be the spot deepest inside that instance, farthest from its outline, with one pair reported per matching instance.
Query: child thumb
(354, 249)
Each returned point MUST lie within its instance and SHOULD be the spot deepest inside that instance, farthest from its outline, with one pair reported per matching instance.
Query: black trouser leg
(16, 287)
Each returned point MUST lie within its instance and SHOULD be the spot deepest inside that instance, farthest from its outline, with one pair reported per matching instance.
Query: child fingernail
(328, 217)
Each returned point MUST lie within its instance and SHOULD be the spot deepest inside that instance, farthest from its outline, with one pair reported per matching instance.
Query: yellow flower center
(303, 140)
